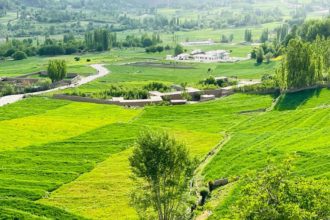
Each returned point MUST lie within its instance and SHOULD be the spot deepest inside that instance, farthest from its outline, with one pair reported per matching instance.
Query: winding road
(101, 71)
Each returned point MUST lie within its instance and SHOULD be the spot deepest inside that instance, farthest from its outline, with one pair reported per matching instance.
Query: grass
(65, 172)
(58, 156)
(138, 76)
(298, 132)
(35, 64)
(108, 177)
(57, 124)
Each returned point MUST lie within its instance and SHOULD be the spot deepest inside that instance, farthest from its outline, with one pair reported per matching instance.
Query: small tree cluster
(304, 64)
(248, 36)
(227, 39)
(57, 70)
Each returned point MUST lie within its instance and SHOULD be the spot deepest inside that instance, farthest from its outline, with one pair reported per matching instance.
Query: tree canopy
(162, 169)
(275, 194)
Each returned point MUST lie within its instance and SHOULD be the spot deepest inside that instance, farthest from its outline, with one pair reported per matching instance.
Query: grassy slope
(111, 178)
(254, 136)
(31, 172)
(295, 129)
(58, 124)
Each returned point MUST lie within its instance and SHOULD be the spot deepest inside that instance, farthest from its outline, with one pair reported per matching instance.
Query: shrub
(88, 60)
(10, 52)
(157, 86)
(275, 193)
(8, 89)
(77, 59)
(19, 55)
(186, 96)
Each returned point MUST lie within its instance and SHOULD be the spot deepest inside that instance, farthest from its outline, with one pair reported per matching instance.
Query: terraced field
(72, 159)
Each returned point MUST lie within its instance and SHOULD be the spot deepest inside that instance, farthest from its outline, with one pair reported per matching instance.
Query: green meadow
(58, 156)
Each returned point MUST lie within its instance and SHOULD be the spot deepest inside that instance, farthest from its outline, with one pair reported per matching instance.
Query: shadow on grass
(291, 101)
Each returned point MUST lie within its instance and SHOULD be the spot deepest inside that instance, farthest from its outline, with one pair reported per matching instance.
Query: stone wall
(130, 103)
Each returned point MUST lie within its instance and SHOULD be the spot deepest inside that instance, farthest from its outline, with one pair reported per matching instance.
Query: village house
(216, 55)
(200, 56)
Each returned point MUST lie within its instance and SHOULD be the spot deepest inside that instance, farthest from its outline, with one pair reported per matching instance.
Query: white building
(200, 56)
(212, 56)
(183, 56)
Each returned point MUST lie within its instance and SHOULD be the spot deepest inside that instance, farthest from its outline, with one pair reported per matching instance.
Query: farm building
(217, 55)
(183, 56)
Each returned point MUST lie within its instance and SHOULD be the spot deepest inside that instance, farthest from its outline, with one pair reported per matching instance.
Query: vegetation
(303, 65)
(57, 156)
(56, 70)
(275, 194)
(19, 55)
(165, 169)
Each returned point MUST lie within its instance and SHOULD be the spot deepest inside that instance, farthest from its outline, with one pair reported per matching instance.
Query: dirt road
(101, 71)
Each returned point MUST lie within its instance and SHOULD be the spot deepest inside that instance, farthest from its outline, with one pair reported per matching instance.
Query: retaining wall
(137, 103)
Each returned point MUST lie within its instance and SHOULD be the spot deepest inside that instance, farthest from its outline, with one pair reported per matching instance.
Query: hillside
(253, 136)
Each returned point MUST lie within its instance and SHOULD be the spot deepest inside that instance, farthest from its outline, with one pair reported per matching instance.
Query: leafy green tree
(162, 170)
(274, 194)
(264, 36)
(248, 36)
(178, 50)
(224, 39)
(302, 66)
(57, 70)
(260, 55)
(19, 55)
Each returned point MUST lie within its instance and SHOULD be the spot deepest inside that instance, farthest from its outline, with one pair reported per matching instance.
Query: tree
(248, 36)
(19, 55)
(260, 55)
(275, 194)
(178, 50)
(264, 36)
(303, 65)
(224, 39)
(57, 70)
(162, 170)
(231, 37)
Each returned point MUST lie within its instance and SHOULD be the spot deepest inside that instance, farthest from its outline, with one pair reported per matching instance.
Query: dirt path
(101, 71)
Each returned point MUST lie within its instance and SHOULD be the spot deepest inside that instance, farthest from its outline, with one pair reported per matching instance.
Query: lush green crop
(299, 129)
(89, 161)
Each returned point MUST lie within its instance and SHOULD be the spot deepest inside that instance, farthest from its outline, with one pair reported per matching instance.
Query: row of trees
(305, 64)
(97, 40)
(100, 40)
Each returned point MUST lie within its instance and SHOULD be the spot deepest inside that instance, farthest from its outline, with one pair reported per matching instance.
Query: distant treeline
(97, 40)
(49, 17)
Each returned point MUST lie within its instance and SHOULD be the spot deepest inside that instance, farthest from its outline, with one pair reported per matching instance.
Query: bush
(156, 86)
(186, 96)
(9, 52)
(88, 60)
(19, 55)
(276, 193)
(8, 90)
(77, 59)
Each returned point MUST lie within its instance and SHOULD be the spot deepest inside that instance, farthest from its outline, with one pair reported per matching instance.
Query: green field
(69, 154)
